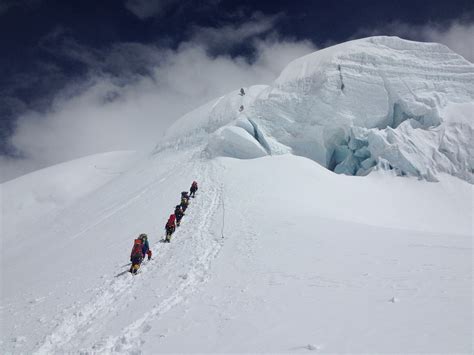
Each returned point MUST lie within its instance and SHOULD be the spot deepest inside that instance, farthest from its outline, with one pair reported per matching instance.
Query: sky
(84, 77)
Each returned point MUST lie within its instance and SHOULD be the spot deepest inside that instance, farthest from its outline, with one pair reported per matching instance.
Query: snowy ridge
(378, 102)
(214, 114)
(198, 249)
(204, 247)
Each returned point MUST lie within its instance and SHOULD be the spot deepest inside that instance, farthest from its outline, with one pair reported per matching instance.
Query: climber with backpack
(170, 227)
(184, 200)
(193, 189)
(136, 256)
(178, 212)
(145, 246)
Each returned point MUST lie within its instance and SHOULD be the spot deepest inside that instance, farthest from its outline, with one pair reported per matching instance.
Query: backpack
(171, 221)
(145, 247)
(137, 248)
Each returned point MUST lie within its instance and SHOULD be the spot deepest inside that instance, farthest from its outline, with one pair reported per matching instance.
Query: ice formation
(378, 102)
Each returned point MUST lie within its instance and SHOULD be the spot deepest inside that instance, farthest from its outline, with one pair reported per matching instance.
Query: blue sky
(67, 67)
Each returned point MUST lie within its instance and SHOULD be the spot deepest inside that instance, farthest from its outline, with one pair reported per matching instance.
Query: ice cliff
(377, 102)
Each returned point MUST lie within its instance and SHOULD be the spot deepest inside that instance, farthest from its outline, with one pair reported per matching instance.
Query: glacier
(368, 104)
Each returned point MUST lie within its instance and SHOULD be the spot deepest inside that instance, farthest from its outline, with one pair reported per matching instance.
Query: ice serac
(377, 102)
(235, 142)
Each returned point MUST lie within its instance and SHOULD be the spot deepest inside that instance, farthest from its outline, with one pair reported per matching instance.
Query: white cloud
(227, 36)
(457, 35)
(130, 108)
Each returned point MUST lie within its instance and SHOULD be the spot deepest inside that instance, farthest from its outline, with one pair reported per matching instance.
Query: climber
(184, 200)
(170, 227)
(145, 246)
(136, 256)
(242, 92)
(178, 212)
(241, 108)
(193, 189)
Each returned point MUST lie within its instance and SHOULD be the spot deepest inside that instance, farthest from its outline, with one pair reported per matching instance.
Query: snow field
(198, 245)
(289, 278)
(88, 244)
(277, 253)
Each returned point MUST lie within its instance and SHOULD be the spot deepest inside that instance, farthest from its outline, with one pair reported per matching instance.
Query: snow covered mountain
(277, 253)
(378, 101)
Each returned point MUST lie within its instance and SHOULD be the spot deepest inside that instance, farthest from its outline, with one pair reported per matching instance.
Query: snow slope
(276, 253)
(47, 191)
(297, 257)
(379, 269)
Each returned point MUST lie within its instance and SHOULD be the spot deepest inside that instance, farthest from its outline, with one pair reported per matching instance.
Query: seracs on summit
(373, 102)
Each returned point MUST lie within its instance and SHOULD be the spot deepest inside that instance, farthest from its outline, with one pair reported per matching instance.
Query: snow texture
(379, 102)
(275, 254)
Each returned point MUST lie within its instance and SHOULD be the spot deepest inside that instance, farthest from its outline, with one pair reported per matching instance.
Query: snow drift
(375, 102)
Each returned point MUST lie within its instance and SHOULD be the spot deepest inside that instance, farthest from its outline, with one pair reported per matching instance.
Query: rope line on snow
(223, 218)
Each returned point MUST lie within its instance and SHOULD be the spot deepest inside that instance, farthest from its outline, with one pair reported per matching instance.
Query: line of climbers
(241, 93)
(141, 248)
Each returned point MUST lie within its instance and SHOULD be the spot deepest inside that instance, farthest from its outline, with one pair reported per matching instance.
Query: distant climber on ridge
(241, 108)
(193, 189)
(242, 92)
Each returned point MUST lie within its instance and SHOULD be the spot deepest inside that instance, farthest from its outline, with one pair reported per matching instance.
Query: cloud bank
(458, 35)
(133, 92)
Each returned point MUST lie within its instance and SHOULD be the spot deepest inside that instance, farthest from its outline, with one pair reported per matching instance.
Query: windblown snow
(277, 252)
